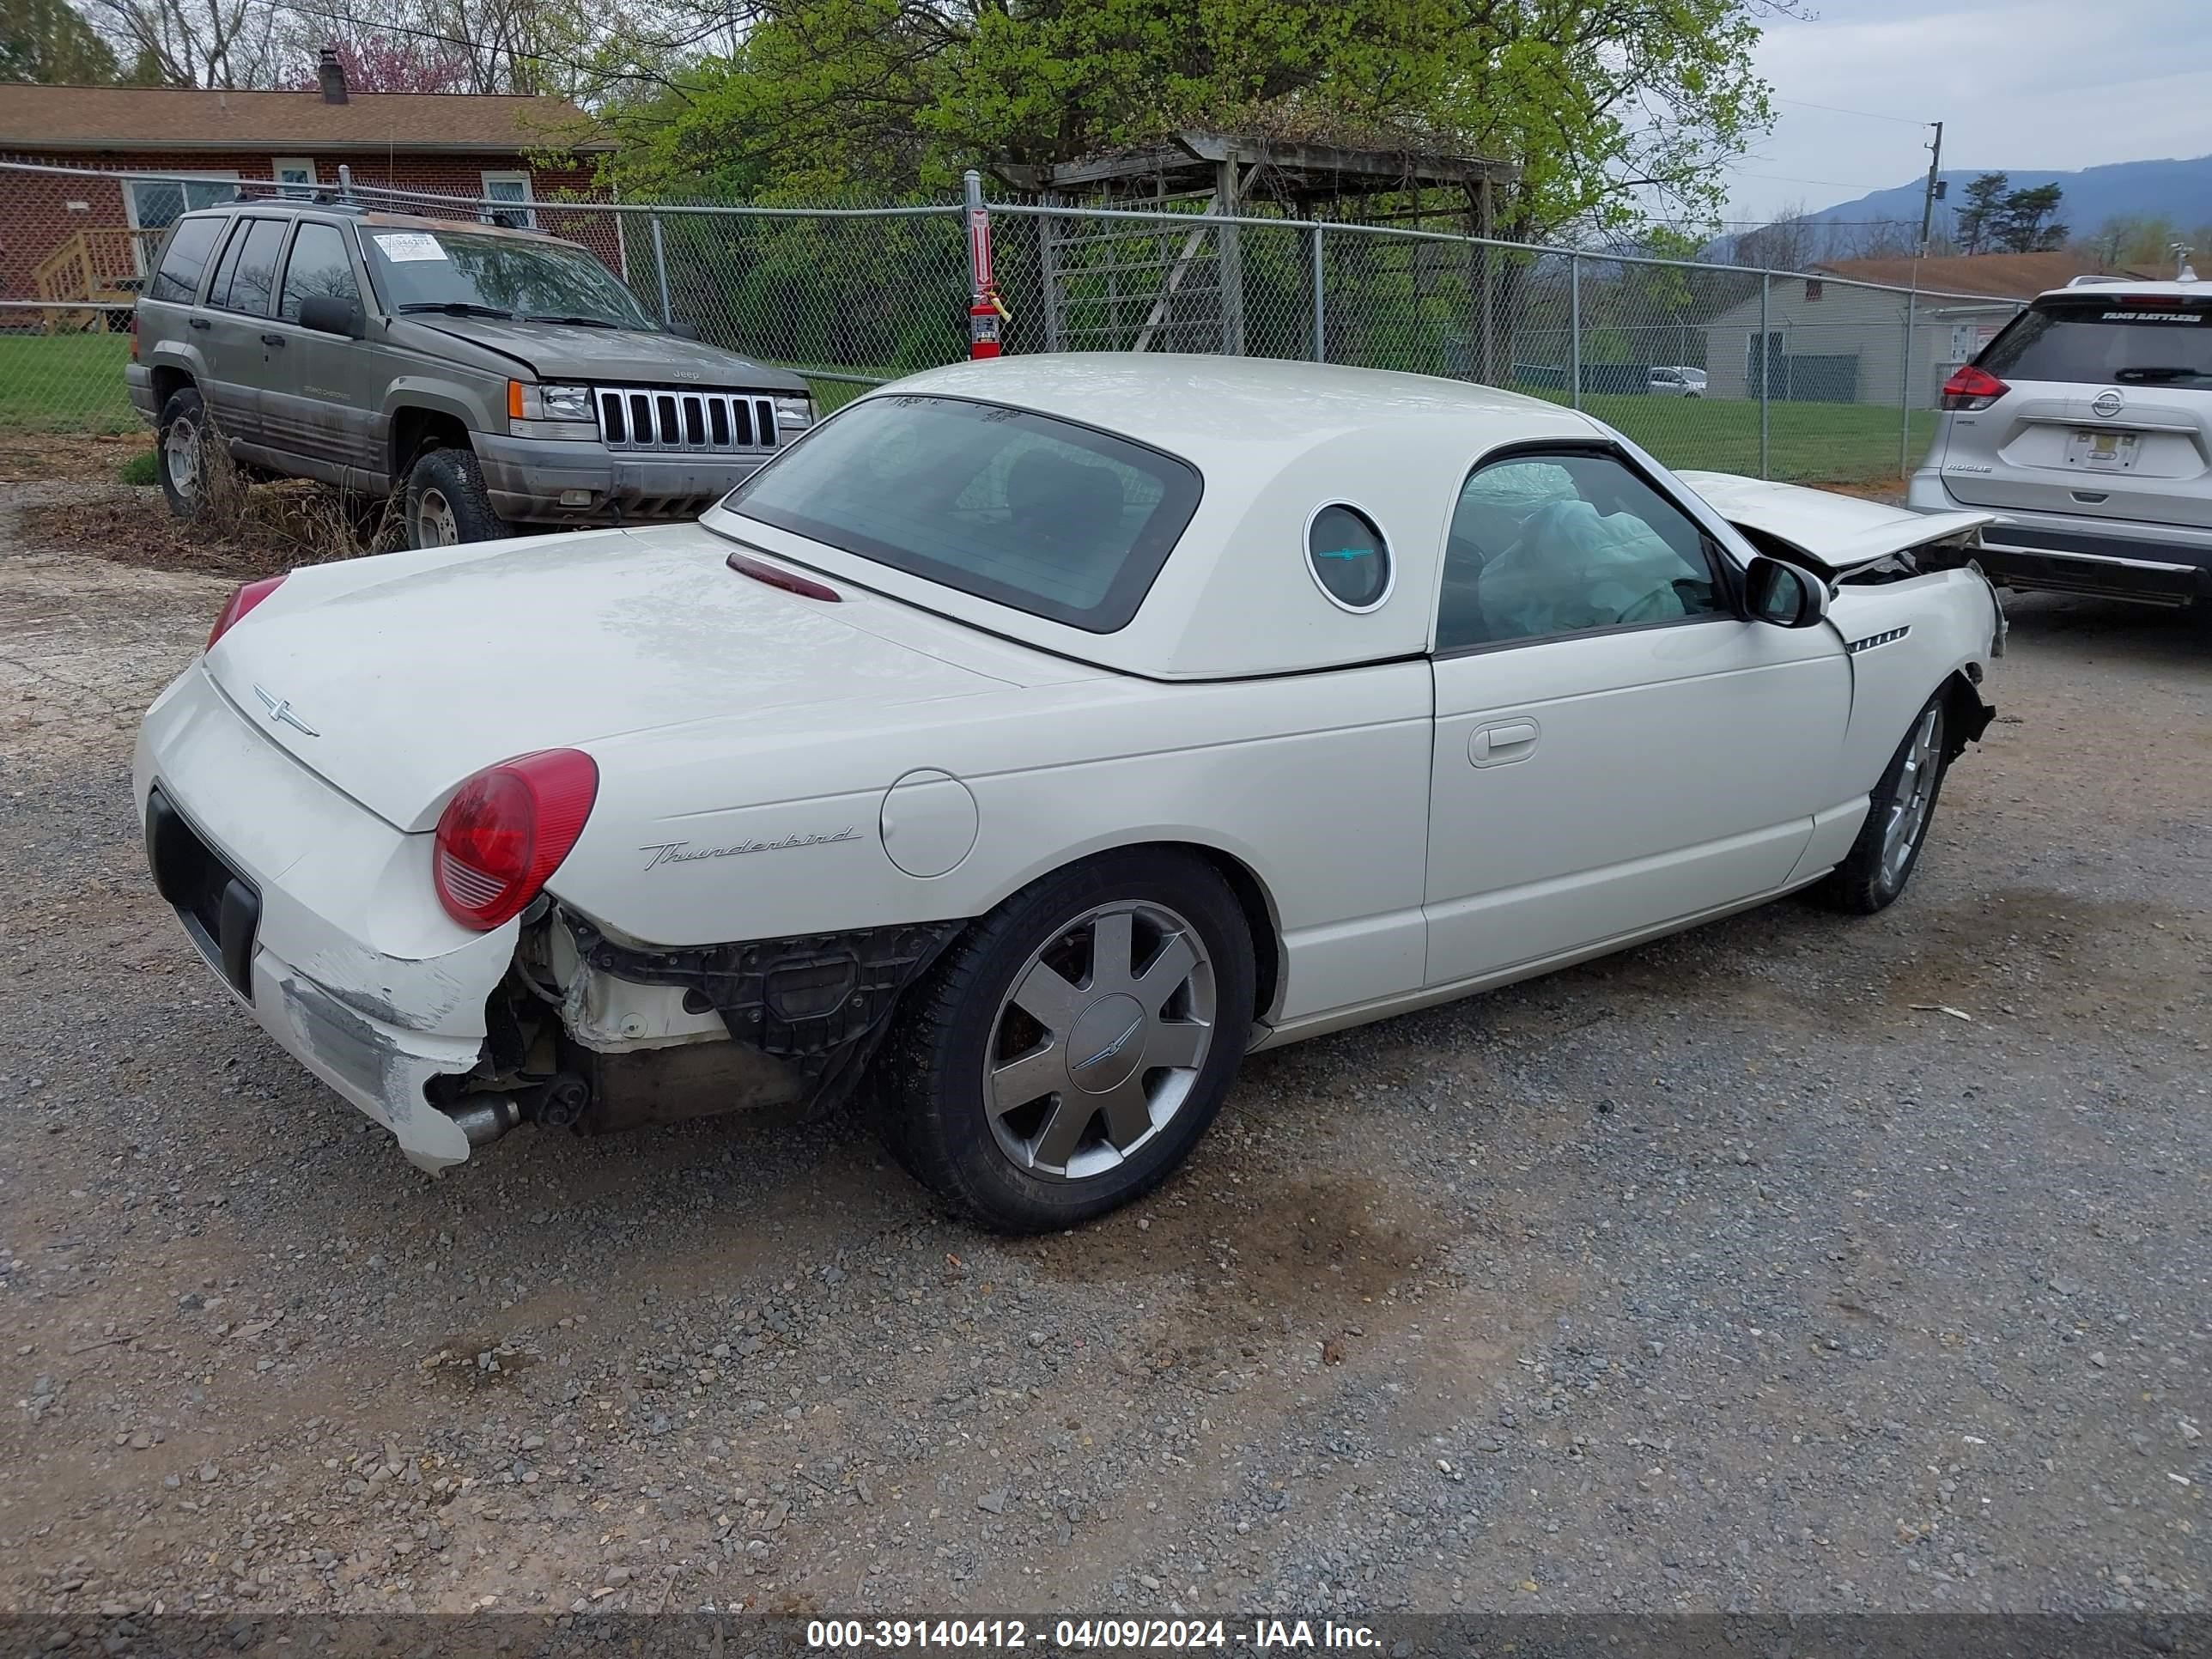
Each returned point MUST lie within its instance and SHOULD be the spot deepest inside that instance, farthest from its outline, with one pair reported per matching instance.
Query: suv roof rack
(2096, 282)
(362, 200)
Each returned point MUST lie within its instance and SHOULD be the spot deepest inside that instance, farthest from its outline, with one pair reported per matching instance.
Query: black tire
(929, 1095)
(183, 468)
(1871, 877)
(446, 488)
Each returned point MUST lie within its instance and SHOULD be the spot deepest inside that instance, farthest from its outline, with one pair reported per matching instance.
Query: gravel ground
(1736, 1273)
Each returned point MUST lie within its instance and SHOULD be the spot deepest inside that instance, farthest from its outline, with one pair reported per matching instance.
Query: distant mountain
(2180, 191)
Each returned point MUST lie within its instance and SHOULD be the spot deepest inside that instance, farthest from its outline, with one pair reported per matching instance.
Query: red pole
(984, 311)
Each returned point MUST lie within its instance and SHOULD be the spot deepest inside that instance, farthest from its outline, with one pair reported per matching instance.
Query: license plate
(220, 909)
(2104, 451)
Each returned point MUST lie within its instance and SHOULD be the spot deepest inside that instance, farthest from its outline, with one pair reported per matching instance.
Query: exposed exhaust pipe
(484, 1118)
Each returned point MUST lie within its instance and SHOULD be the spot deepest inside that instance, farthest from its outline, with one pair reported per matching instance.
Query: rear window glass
(2106, 340)
(1057, 519)
(183, 259)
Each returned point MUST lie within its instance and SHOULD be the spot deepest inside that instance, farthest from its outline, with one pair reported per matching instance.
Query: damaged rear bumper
(318, 916)
(323, 920)
(379, 1068)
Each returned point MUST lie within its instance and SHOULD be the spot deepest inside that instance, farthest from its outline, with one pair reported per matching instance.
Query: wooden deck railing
(100, 262)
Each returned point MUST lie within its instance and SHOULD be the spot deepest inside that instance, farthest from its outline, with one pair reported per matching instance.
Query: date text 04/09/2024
(1086, 1635)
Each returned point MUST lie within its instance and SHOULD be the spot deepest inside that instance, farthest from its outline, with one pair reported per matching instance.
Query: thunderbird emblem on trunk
(280, 713)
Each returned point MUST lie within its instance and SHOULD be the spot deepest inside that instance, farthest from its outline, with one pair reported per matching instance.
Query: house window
(508, 187)
(296, 173)
(152, 205)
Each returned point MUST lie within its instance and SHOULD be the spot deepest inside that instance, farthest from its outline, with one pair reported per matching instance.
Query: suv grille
(653, 418)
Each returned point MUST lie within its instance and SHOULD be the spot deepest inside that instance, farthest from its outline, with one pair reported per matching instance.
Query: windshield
(496, 276)
(2101, 342)
(1057, 519)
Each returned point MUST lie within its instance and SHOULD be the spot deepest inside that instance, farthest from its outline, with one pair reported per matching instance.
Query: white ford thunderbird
(1030, 743)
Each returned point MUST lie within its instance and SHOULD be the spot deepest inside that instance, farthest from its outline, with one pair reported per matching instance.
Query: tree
(2024, 224)
(232, 44)
(1976, 223)
(391, 62)
(47, 42)
(1610, 108)
(2143, 240)
(1789, 241)
(1607, 106)
(1998, 219)
(562, 46)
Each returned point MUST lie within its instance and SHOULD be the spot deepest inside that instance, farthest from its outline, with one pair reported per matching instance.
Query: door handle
(272, 339)
(202, 322)
(1502, 743)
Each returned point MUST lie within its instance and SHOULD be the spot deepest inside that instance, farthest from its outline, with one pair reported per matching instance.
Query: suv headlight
(550, 411)
(792, 414)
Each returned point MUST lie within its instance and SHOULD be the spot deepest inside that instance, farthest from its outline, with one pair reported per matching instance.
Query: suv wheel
(180, 448)
(446, 502)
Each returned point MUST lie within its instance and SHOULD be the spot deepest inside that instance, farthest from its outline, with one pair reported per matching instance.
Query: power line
(1811, 223)
(1838, 109)
(1790, 179)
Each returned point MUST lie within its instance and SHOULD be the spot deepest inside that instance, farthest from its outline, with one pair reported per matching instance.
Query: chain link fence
(1780, 374)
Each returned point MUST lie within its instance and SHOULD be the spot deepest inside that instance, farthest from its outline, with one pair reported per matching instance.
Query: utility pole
(1934, 191)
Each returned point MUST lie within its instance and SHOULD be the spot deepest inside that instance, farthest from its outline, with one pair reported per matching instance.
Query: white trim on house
(509, 177)
(130, 196)
(183, 181)
(280, 164)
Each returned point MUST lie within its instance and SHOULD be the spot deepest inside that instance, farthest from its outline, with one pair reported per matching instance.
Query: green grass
(140, 469)
(830, 396)
(1816, 443)
(65, 383)
(74, 383)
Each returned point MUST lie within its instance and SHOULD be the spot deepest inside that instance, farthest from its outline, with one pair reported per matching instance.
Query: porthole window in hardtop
(1348, 557)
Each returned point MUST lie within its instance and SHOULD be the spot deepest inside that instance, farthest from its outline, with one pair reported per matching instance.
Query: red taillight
(776, 576)
(505, 831)
(1972, 388)
(236, 607)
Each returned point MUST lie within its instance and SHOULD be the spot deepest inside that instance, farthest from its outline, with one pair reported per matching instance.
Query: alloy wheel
(1099, 1039)
(1916, 790)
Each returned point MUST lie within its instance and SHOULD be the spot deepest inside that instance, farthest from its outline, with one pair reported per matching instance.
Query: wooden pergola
(1235, 168)
(1232, 174)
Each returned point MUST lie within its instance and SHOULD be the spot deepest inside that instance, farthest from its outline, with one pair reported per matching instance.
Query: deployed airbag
(1574, 567)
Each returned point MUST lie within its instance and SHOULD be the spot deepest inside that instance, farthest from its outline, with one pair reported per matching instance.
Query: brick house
(69, 237)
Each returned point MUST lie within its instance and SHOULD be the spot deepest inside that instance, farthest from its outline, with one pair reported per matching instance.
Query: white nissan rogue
(2086, 425)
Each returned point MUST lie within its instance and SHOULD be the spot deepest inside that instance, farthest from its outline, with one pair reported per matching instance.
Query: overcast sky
(2018, 83)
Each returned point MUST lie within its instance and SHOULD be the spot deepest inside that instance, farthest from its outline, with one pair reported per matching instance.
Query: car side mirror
(683, 331)
(1785, 595)
(328, 315)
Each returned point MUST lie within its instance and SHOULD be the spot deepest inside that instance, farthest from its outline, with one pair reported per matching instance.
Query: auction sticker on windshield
(400, 245)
